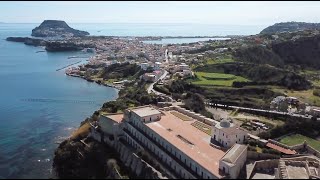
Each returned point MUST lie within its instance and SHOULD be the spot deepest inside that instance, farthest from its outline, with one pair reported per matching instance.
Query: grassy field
(298, 139)
(181, 116)
(219, 61)
(217, 79)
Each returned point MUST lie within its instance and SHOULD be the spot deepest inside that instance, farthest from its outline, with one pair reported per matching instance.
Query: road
(150, 88)
(262, 110)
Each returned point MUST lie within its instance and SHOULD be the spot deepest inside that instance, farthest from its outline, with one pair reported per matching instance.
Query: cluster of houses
(293, 105)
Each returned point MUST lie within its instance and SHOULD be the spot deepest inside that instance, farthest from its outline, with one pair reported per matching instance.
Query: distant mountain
(289, 27)
(53, 28)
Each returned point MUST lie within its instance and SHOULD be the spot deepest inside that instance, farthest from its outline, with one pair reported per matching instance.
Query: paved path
(261, 110)
(151, 90)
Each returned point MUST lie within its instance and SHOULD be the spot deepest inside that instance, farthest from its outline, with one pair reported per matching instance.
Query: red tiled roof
(281, 149)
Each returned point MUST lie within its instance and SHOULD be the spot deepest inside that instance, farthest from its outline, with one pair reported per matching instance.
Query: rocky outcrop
(74, 159)
(289, 27)
(54, 46)
(28, 41)
(55, 28)
(65, 46)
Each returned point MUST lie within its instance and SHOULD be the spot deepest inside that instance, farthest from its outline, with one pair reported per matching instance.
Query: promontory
(56, 28)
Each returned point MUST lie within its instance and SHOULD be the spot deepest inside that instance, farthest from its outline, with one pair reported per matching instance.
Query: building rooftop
(146, 111)
(232, 155)
(115, 117)
(191, 141)
(281, 149)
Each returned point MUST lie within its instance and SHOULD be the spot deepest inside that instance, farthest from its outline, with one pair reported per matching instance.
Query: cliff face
(53, 28)
(289, 27)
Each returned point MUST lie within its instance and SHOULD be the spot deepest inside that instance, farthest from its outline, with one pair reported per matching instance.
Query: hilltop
(53, 28)
(290, 27)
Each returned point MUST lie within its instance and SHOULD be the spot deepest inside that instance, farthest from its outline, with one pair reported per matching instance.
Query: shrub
(316, 92)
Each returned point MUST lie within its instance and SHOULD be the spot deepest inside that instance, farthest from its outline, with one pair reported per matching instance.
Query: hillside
(53, 28)
(304, 51)
(289, 27)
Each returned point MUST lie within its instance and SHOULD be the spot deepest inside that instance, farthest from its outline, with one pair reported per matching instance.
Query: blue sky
(205, 12)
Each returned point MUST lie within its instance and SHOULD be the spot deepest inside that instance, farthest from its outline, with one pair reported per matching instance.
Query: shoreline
(90, 80)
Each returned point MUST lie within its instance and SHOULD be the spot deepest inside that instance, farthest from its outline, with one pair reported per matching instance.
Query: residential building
(227, 134)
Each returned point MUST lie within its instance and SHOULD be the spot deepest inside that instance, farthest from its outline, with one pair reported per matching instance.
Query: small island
(56, 28)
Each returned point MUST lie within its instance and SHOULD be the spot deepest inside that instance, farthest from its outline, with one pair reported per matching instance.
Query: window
(236, 136)
(222, 134)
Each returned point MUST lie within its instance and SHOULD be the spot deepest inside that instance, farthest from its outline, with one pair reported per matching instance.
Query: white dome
(224, 123)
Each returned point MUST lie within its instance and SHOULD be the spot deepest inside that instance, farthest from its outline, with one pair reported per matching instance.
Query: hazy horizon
(191, 12)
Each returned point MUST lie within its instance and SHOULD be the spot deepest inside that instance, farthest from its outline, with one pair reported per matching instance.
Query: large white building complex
(179, 139)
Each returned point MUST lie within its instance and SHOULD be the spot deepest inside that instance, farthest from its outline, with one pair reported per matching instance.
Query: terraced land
(216, 79)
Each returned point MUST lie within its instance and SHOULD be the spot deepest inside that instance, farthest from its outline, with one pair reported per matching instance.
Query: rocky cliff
(289, 27)
(53, 28)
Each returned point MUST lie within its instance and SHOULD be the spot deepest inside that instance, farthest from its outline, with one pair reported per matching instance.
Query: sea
(39, 105)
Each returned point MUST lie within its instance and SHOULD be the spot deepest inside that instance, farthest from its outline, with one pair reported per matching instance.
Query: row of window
(165, 145)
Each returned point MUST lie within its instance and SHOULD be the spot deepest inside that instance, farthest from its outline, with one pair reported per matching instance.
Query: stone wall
(128, 157)
(313, 151)
(298, 147)
(264, 164)
(194, 115)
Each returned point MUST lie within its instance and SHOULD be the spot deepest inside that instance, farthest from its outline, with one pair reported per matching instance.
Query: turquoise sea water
(29, 128)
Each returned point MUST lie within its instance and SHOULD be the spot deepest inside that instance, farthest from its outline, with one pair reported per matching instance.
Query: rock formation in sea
(56, 28)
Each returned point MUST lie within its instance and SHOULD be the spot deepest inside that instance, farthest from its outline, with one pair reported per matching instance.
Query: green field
(299, 139)
(217, 79)
(219, 61)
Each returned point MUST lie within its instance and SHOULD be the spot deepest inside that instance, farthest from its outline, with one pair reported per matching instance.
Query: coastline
(91, 80)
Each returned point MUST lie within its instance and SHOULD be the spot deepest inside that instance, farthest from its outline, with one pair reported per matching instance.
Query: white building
(227, 134)
(180, 145)
(232, 162)
(183, 66)
(157, 65)
(144, 66)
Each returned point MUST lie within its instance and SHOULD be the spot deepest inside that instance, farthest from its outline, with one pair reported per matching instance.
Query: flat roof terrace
(115, 117)
(190, 140)
(145, 111)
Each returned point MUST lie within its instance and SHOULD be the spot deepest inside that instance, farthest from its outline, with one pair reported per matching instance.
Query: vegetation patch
(217, 79)
(299, 139)
(219, 61)
(82, 131)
